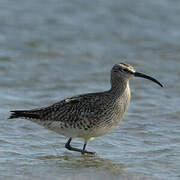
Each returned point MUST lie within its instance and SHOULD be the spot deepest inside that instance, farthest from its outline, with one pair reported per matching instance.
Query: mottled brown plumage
(89, 115)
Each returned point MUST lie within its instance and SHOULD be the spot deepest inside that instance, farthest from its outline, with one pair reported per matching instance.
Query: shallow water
(50, 50)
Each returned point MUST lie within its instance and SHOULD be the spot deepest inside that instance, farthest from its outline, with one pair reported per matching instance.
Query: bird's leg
(82, 151)
(69, 147)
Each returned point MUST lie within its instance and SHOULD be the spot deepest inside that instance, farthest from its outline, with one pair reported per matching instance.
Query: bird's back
(94, 114)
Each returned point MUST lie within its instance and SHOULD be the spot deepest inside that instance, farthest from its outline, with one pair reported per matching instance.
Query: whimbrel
(89, 115)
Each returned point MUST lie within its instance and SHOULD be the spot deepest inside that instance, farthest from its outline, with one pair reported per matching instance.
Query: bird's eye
(126, 70)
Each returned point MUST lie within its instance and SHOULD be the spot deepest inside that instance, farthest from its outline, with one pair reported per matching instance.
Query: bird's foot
(88, 152)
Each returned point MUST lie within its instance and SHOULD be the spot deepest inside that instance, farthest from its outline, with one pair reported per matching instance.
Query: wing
(68, 110)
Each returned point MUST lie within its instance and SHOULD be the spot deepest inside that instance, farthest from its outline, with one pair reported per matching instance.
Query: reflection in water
(101, 167)
(85, 161)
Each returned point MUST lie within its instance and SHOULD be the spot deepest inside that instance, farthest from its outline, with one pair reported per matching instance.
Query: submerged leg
(82, 151)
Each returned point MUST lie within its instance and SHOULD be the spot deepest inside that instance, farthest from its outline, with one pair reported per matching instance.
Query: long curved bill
(137, 74)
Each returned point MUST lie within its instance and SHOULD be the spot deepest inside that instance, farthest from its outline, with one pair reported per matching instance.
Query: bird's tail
(29, 114)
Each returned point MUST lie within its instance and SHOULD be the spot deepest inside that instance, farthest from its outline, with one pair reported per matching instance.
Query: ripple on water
(50, 50)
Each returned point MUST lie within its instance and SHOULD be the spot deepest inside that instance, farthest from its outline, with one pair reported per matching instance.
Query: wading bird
(89, 115)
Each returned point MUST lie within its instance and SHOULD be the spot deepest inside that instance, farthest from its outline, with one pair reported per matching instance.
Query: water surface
(50, 50)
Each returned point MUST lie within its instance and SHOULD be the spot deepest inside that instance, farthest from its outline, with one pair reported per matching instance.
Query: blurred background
(52, 49)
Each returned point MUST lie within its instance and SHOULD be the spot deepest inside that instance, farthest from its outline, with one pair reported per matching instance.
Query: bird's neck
(119, 86)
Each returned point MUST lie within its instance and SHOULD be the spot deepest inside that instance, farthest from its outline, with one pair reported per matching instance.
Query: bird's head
(126, 72)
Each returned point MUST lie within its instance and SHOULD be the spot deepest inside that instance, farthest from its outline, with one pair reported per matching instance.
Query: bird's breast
(121, 105)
